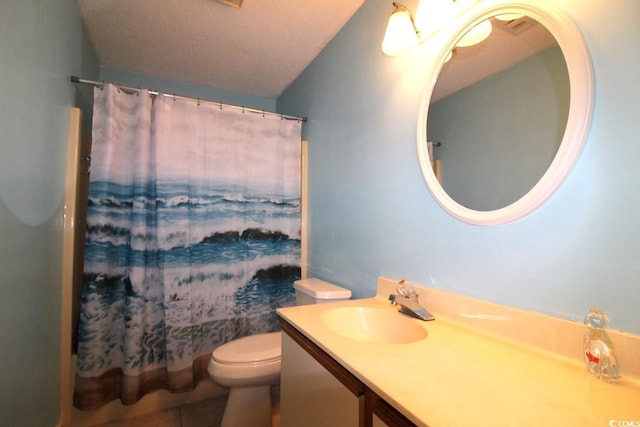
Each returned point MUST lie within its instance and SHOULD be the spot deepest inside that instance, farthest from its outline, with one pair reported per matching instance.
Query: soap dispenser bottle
(599, 353)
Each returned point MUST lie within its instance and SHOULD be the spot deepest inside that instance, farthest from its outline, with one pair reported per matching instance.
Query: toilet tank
(316, 291)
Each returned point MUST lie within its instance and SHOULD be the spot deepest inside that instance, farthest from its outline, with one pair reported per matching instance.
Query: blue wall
(370, 213)
(42, 44)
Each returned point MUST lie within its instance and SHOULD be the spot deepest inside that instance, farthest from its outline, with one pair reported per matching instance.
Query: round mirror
(502, 122)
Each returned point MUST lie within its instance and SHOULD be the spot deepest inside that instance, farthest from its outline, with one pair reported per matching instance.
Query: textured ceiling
(262, 47)
(258, 49)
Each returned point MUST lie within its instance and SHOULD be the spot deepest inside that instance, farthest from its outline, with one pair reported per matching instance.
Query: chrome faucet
(408, 301)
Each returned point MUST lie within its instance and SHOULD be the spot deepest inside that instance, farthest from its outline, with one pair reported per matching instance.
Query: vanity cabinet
(316, 390)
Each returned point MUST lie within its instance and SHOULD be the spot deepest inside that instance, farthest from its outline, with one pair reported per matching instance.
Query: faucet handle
(406, 289)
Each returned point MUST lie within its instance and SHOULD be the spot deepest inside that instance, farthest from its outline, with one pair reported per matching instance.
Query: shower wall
(42, 44)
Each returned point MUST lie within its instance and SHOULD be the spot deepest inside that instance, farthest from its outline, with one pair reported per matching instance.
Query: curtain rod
(76, 79)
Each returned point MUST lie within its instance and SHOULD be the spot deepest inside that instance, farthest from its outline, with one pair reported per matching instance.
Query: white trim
(581, 83)
(304, 203)
(68, 257)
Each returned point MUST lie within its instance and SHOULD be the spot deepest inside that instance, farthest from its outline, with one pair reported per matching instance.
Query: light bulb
(476, 34)
(401, 34)
(509, 16)
(433, 15)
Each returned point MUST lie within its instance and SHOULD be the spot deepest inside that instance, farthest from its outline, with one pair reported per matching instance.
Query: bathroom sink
(376, 325)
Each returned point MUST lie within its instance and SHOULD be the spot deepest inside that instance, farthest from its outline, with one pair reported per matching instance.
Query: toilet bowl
(249, 366)
(252, 360)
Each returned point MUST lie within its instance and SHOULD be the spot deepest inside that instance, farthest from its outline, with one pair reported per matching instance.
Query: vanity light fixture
(404, 31)
(433, 15)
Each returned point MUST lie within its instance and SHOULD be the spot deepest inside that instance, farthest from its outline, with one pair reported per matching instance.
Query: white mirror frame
(581, 84)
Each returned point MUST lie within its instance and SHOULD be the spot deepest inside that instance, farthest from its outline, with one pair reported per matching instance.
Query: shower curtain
(193, 239)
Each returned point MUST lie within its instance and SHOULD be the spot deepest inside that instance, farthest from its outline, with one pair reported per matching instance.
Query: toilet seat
(251, 366)
(253, 349)
(249, 361)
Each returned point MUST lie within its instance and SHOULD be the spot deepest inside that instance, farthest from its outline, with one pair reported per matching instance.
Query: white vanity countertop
(461, 376)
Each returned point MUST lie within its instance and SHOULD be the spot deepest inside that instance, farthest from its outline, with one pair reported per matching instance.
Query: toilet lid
(251, 349)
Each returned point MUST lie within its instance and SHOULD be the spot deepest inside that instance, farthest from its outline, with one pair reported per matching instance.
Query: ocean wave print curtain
(193, 239)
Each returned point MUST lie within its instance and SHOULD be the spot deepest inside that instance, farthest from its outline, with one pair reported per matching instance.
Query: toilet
(250, 366)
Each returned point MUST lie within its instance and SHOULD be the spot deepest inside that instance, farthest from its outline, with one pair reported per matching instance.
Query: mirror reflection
(498, 114)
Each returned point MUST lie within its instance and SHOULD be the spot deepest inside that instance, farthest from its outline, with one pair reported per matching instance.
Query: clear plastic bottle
(599, 352)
